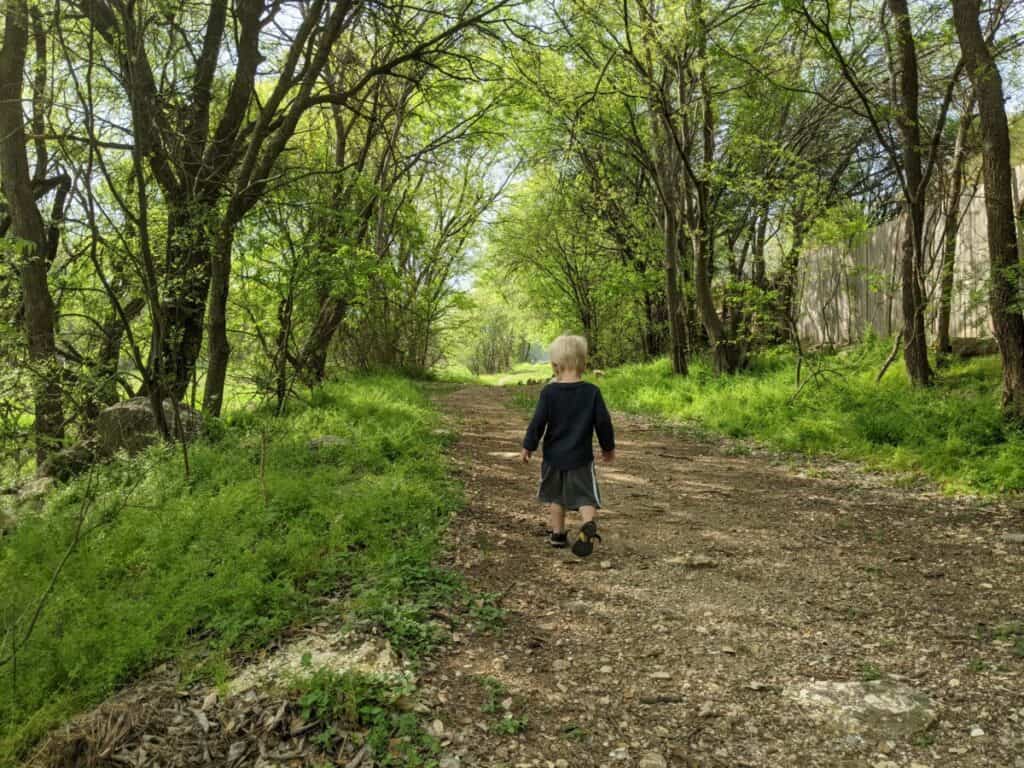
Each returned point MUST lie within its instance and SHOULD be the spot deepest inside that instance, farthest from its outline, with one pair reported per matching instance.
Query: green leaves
(342, 702)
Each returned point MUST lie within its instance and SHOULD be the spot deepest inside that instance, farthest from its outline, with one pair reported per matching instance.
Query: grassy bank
(197, 569)
(951, 432)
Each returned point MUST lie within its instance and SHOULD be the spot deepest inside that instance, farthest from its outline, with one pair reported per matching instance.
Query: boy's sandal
(558, 540)
(585, 539)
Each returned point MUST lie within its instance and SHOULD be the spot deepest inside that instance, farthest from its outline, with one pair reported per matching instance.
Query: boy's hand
(525, 455)
(608, 456)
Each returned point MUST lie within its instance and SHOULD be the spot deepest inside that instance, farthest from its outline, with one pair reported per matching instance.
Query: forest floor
(729, 579)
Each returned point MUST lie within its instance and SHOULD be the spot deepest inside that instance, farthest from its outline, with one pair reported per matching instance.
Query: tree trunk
(696, 336)
(915, 346)
(950, 235)
(670, 238)
(915, 341)
(1002, 231)
(943, 343)
(587, 321)
(312, 360)
(219, 349)
(187, 277)
(757, 267)
(789, 279)
(727, 354)
(284, 332)
(105, 367)
(655, 317)
(668, 177)
(29, 231)
(674, 297)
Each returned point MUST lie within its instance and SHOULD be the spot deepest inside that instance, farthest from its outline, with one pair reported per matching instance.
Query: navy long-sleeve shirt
(567, 415)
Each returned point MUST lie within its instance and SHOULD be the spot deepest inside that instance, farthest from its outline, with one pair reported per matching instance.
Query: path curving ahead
(725, 584)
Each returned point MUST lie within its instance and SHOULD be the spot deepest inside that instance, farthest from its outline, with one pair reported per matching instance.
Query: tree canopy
(217, 200)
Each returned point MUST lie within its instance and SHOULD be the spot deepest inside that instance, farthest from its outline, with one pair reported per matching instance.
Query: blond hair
(569, 352)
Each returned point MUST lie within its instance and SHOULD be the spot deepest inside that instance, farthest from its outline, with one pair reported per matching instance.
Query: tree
(908, 118)
(728, 352)
(597, 93)
(1004, 259)
(211, 157)
(558, 265)
(29, 239)
(213, 154)
(951, 229)
(911, 157)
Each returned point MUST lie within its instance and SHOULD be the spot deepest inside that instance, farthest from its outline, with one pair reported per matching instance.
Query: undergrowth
(951, 432)
(353, 705)
(263, 530)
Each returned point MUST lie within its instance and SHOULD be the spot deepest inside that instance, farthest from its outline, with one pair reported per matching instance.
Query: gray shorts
(572, 488)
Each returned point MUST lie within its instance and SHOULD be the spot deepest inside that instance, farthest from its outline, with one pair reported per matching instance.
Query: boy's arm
(603, 425)
(535, 431)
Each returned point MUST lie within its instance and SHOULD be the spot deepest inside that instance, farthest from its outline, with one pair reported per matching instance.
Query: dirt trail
(723, 581)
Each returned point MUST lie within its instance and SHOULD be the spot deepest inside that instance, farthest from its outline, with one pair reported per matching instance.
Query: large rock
(326, 441)
(68, 462)
(964, 347)
(129, 425)
(332, 650)
(36, 488)
(879, 709)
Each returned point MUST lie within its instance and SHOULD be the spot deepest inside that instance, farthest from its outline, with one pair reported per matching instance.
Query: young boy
(568, 414)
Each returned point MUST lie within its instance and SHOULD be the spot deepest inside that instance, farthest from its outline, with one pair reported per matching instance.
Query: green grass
(494, 692)
(521, 373)
(870, 672)
(351, 705)
(1012, 632)
(511, 725)
(951, 433)
(198, 570)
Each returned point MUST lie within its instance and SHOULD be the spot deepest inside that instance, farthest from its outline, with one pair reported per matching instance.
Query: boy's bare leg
(556, 518)
(587, 513)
